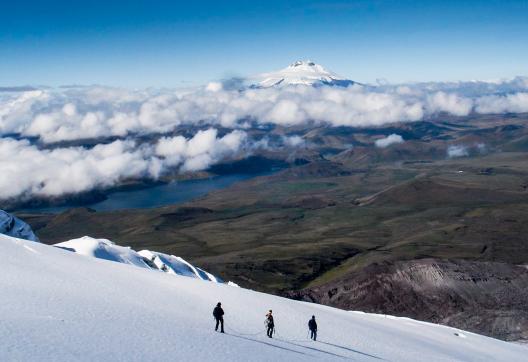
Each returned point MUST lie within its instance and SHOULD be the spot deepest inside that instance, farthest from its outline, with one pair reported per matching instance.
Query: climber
(218, 314)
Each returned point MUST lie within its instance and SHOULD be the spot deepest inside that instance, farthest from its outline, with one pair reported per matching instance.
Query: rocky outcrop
(484, 297)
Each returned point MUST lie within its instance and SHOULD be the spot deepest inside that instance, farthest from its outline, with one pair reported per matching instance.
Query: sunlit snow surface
(56, 305)
(302, 72)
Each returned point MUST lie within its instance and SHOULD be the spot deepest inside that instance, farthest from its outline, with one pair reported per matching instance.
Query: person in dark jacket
(270, 323)
(218, 314)
(312, 325)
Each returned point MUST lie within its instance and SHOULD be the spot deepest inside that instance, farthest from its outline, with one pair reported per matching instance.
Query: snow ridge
(108, 250)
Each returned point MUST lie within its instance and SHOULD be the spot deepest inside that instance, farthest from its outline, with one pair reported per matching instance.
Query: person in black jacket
(270, 324)
(312, 325)
(218, 314)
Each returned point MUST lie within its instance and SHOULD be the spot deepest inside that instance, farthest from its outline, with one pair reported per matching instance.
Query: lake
(160, 195)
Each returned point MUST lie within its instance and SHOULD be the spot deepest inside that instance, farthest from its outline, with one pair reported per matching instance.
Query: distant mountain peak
(302, 72)
(302, 62)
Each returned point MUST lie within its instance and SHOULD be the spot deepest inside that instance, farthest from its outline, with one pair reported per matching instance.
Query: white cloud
(214, 87)
(481, 148)
(286, 112)
(293, 141)
(454, 151)
(514, 103)
(30, 171)
(389, 140)
(450, 103)
(201, 151)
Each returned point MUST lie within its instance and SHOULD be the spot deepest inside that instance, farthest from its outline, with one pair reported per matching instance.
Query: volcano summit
(302, 72)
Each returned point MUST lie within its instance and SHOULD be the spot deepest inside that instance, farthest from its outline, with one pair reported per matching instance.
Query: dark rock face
(484, 297)
(13, 226)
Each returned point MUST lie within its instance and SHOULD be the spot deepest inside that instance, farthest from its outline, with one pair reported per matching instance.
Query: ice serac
(175, 265)
(59, 306)
(302, 72)
(13, 226)
(108, 250)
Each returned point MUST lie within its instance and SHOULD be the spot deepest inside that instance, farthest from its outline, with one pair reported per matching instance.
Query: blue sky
(178, 43)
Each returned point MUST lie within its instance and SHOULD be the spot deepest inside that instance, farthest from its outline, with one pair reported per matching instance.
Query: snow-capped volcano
(302, 72)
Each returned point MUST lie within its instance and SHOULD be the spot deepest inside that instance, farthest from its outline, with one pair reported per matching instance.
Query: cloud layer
(29, 171)
(92, 112)
(33, 119)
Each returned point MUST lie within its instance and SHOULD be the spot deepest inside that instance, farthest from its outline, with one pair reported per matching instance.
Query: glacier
(62, 306)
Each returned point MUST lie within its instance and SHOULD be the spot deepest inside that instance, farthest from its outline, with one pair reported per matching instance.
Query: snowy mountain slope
(13, 226)
(108, 250)
(56, 305)
(302, 72)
